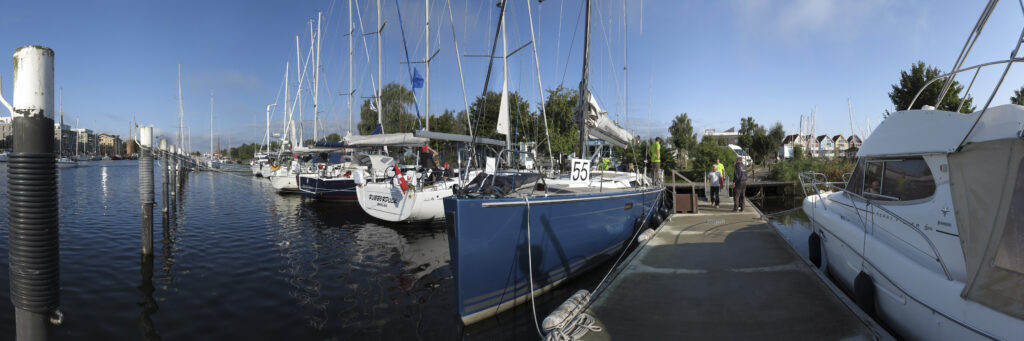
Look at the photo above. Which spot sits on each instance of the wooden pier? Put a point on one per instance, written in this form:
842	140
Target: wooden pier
721	275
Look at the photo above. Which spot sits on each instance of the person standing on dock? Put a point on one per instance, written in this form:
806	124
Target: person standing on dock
739	176
655	152
714	186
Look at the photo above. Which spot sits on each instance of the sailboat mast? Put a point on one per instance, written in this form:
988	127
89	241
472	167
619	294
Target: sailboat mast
426	61
351	31
504	93
849	104
298	92
211	122
287	111
380	70
181	112
584	93
316	79
60	129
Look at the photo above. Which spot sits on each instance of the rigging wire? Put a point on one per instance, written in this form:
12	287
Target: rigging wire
462	80
571	45
408	64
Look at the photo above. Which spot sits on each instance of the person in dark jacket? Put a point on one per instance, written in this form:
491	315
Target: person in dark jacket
739	176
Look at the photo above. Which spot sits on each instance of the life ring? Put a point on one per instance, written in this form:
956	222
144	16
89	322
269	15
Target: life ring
275	166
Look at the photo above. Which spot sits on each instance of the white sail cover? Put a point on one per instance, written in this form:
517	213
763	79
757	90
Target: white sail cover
392	139
603	128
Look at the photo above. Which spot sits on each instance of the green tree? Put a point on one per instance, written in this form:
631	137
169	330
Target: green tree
1017	98
333	137
682	135
395	100
563	129
748	128
707	151
912	82
485	117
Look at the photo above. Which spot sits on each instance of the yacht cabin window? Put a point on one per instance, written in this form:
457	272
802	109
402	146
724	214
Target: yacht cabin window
894	179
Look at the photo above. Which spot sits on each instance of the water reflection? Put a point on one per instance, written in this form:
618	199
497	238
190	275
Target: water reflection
795	228
147	329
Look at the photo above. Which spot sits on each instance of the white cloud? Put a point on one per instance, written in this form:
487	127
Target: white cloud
794	21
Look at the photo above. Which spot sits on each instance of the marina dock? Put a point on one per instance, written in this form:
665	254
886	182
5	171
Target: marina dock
724	275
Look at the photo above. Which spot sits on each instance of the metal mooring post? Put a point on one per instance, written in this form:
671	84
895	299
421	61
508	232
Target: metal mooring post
172	169
180	170
33	242
146	187
164	165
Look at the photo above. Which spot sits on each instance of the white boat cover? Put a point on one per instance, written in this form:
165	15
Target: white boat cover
935	131
987	184
377	163
603	128
392	139
433	135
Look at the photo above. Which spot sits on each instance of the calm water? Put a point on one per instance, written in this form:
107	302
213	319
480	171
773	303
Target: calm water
234	260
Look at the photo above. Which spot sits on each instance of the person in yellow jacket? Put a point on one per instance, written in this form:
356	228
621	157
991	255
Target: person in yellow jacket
720	168
655	152
604	164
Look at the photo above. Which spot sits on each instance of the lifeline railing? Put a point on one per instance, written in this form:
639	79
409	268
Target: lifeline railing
971	39
818	181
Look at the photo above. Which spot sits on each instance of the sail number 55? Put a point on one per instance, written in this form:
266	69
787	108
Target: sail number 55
580	171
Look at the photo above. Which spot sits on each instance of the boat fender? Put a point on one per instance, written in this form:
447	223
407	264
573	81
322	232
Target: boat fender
864	293
358	178
637	224
647	234
656	220
566	311
663	211
814	249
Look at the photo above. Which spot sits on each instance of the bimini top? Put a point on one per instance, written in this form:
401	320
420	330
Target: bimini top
937	131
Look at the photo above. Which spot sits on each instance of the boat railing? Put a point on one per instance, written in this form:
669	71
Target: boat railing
814	183
976	68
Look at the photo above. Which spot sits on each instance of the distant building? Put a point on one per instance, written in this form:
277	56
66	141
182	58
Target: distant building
6	133
63	139
811	145
854	141
825	146
110	144
840	144
731	136
85	142
789	144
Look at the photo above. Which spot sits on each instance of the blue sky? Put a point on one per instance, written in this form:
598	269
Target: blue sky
716	60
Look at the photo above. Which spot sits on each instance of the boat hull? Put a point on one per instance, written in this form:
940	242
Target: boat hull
568	235
385	201
331	189
915	300
287	183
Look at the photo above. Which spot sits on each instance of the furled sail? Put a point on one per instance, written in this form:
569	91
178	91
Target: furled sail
392	139
603	128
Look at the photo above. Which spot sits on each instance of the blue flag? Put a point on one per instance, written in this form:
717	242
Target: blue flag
417	80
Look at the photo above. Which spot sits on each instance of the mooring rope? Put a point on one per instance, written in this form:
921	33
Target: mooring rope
529	258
